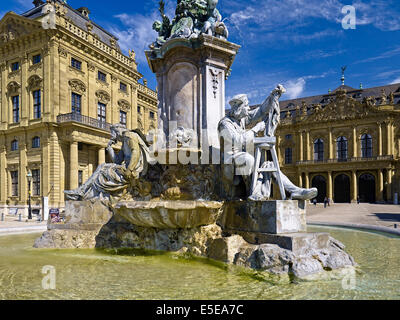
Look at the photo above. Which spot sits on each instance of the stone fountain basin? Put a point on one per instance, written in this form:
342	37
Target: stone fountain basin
170	214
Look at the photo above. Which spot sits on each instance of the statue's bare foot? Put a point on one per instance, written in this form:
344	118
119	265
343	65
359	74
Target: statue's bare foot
305	194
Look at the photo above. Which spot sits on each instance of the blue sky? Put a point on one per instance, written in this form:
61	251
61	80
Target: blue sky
300	43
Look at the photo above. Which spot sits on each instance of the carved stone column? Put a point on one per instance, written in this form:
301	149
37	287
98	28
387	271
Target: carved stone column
388	138
300	180
308	146
380	152
73	165
355	146
300	148
354	186
101	156
330	184
330	144
379	191
307	180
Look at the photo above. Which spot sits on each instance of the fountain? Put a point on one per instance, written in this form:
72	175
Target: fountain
198	188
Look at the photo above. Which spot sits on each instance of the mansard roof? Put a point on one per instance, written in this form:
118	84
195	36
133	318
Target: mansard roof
77	19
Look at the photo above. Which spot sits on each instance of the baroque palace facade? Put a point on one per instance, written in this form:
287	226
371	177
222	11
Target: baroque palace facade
61	89
345	143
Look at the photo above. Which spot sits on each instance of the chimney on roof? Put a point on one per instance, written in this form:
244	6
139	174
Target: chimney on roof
84	11
37	3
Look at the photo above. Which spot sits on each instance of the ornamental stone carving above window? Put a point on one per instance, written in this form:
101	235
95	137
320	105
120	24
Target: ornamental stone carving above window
103	96
77	86
13	87
124	105
34	82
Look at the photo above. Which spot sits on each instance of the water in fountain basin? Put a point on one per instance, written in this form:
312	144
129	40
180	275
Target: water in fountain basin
95	274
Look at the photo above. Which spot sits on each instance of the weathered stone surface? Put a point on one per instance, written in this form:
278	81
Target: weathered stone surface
274	217
83	221
298	243
225	249
299	255
67	239
122	234
170	214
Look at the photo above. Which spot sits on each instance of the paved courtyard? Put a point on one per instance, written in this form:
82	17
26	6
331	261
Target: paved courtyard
369	214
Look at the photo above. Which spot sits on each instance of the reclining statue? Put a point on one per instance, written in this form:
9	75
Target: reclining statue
238	129
114	179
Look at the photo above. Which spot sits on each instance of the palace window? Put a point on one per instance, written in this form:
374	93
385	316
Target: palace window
152	115
37	104
319	150
366	146
139	109
36	142
288	137
102	76
101	112
123	86
76	64
76	103
342	148
37	59
122	118
15	66
288	156
14	145
36	182
14	183
15	103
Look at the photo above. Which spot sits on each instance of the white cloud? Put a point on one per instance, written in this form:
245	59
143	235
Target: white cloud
395	81
137	35
295	88
283	19
387	54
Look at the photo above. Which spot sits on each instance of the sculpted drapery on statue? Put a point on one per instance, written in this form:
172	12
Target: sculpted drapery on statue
192	18
114	179
234	131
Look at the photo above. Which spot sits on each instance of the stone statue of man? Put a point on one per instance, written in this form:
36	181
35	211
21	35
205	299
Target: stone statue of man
239	128
113	179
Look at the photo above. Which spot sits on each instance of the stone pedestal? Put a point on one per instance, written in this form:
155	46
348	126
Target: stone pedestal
191	85
273	217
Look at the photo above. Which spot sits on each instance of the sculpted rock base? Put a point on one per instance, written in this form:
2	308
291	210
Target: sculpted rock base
298	255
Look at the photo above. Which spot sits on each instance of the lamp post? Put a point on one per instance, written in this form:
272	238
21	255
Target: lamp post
29	176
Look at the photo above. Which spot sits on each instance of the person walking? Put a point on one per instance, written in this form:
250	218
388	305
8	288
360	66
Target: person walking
315	202
325	202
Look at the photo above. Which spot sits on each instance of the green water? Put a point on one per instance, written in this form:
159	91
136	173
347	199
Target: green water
93	274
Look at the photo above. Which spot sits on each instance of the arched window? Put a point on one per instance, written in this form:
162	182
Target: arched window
342	148
366	146
14	145
36	142
319	150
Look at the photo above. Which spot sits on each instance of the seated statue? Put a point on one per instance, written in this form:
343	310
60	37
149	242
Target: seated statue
235	129
114	179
